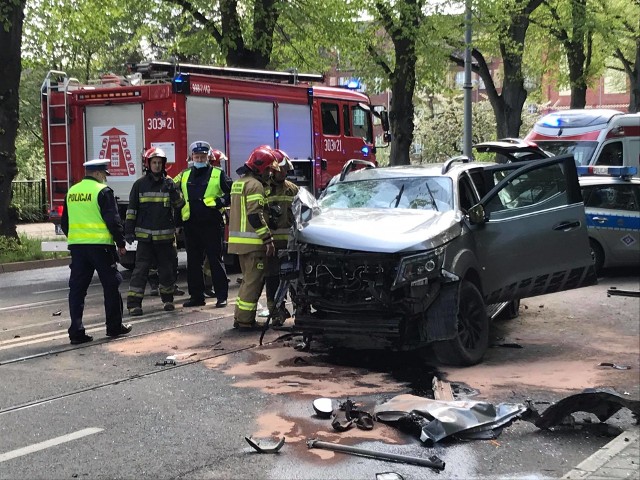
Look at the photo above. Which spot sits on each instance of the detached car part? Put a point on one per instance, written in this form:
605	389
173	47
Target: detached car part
432	462
262	447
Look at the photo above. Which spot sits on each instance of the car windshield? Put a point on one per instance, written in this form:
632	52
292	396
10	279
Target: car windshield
582	151
424	193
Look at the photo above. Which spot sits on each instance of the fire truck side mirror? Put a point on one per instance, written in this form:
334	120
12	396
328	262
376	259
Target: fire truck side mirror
384	119
181	84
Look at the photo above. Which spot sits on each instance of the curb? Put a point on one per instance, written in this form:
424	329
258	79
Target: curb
34	264
589	467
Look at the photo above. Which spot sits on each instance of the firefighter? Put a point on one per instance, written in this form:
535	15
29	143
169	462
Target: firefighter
249	234
150	221
279	197
91	222
217	159
206	193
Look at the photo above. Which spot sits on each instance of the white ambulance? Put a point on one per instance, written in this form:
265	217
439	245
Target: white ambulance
594	136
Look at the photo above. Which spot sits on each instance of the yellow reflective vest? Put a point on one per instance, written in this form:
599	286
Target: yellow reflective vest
248	198
211	194
86	225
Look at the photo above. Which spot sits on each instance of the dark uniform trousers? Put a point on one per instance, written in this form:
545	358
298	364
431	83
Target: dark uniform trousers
161	255
205	239
85	260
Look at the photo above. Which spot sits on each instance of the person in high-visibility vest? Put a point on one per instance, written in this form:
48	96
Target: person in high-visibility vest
91	222
219	160
249	234
150	221
205	190
279	198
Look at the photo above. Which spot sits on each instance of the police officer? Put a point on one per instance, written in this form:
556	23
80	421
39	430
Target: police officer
206	193
150	221
280	195
219	160
249	234
91	222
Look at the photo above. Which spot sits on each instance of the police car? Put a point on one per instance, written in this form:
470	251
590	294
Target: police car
612	206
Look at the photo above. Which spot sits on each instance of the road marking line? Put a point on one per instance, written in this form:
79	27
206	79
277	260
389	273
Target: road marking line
26	306
50	322
48	443
62	289
24	341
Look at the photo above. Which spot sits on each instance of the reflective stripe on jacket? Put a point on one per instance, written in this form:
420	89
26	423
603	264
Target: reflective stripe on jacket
281	195
86	225
211	194
247	198
150	213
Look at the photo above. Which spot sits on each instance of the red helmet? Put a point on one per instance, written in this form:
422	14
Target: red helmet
283	160
216	157
261	159
151	153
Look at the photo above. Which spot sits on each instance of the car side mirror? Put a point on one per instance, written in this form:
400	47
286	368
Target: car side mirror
477	214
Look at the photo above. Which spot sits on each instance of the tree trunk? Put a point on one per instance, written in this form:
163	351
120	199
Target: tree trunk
403	83
634	80
576	60
11	41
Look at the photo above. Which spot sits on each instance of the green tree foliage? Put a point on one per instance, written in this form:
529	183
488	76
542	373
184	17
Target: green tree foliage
500	31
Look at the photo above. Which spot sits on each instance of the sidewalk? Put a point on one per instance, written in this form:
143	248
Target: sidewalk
620	458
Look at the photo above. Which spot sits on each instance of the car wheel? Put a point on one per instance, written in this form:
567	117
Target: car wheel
597	254
471	342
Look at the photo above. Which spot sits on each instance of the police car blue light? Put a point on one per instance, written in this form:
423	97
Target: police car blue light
365	151
607	171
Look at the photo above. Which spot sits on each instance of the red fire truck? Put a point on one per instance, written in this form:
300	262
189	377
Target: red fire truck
171	105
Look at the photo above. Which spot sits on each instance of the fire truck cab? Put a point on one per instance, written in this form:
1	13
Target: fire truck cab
594	137
171	105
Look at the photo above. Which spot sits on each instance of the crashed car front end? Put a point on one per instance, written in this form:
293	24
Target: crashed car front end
359	286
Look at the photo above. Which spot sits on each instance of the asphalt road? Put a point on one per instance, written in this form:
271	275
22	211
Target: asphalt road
105	410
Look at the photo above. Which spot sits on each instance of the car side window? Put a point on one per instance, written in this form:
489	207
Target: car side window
614	197
531	191
611	155
467	198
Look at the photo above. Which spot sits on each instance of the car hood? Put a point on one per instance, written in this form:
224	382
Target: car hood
381	230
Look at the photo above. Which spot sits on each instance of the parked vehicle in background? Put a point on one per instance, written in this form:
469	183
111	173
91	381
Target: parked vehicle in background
594	137
612	206
169	106
402	257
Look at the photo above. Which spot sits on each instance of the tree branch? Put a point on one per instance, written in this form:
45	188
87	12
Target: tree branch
379	60
209	25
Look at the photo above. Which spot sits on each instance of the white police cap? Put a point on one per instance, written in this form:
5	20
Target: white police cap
199	146
97	165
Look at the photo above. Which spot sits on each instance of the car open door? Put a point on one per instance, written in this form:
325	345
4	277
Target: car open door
533	237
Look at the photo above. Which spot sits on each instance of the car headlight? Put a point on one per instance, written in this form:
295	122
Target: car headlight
418	267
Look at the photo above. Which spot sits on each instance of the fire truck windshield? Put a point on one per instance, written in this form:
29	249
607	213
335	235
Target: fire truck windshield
582	151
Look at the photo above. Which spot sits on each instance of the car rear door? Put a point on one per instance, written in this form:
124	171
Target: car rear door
534	238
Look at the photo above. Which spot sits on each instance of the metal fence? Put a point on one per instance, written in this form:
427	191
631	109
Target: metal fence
30	200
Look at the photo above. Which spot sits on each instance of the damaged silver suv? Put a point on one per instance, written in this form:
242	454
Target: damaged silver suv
402	257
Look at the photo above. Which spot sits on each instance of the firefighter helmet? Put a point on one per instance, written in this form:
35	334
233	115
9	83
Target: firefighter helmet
216	157
283	160
261	160
154	152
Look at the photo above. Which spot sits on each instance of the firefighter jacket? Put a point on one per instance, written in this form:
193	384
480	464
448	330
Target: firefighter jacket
150	213
90	215
279	198
248	220
206	194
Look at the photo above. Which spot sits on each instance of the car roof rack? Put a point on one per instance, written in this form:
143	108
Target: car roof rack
351	164
460	158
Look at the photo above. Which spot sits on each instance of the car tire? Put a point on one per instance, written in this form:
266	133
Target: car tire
597	253
472	340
